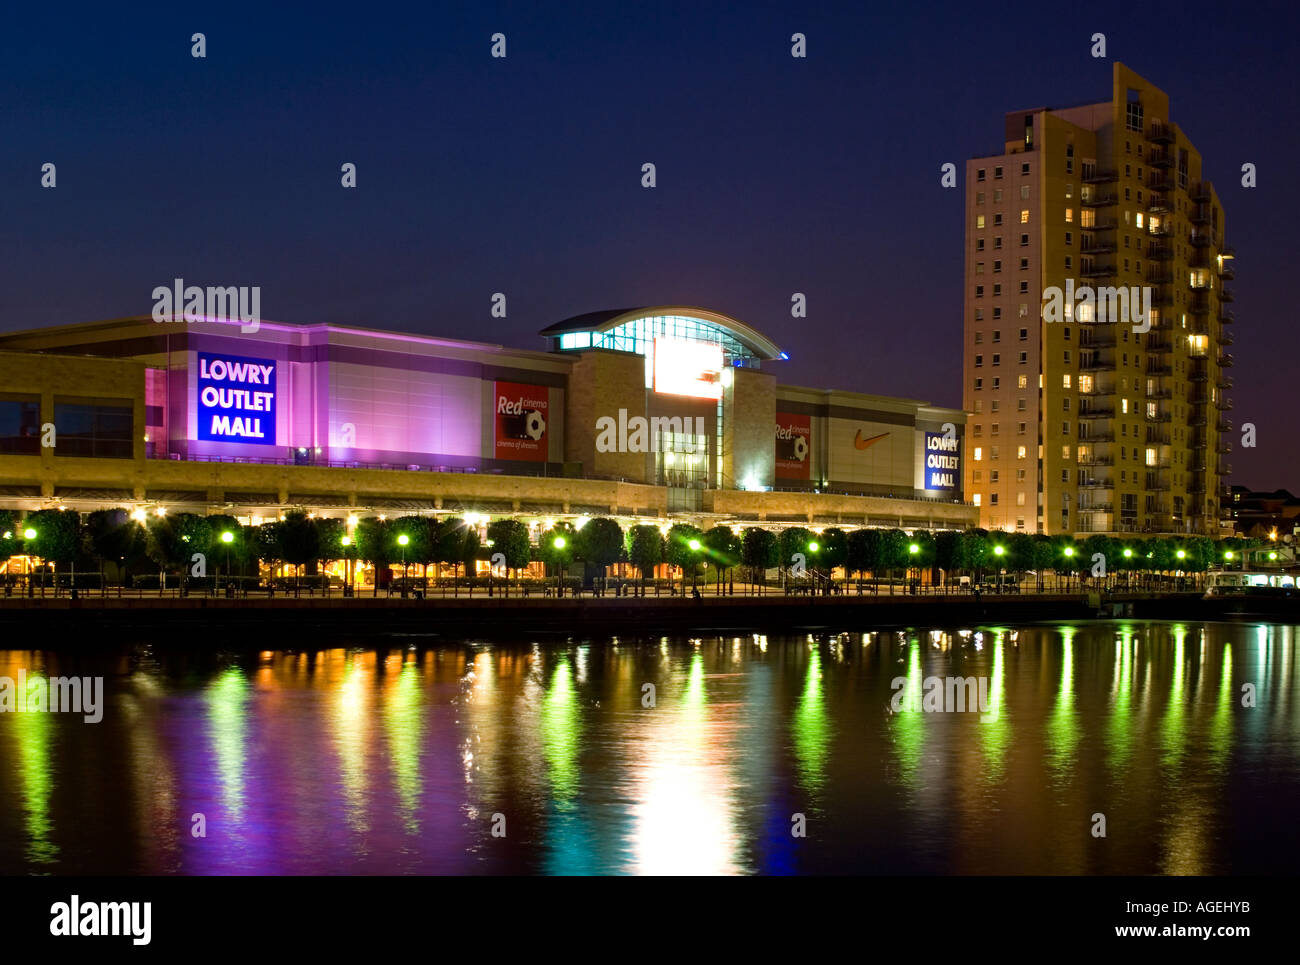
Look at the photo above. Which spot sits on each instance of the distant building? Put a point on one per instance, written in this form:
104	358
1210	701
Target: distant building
1092	223
646	415
1262	514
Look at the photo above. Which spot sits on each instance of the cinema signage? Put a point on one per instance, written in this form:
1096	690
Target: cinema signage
793	441
236	399
942	461
520	413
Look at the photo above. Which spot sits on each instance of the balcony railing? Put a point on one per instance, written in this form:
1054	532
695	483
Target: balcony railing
1096	176
1201	191
1099	199
1200	214
1160	133
1159	203
1161	159
1100	224
1226	317
1159	253
1098	269
1225	360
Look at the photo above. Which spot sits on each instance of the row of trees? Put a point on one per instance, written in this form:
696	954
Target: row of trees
170	543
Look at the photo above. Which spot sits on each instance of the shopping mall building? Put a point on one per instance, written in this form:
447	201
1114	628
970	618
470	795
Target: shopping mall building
654	414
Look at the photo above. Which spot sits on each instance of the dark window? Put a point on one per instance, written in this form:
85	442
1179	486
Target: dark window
94	429
20	426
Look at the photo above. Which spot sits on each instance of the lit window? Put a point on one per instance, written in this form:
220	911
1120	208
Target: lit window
1065	381
1020	452
1024	216
1151	457
979	221
979	454
1069	216
1022	382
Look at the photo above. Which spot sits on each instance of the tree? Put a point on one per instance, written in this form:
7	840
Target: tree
834	550
421	541
1043	556
864	553
946	551
722	551
1020	554
893	552
759	552
329	540
555	547
112	535
797	554
58	536
678	550
645	549
457	544
509	538
226	556
374	545
924	557
599	544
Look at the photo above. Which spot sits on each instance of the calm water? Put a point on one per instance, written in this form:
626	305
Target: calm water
394	756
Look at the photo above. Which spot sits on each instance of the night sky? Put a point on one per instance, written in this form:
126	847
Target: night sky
478	175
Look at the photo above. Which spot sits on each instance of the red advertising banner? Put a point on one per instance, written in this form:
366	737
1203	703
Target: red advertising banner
521	417
793	446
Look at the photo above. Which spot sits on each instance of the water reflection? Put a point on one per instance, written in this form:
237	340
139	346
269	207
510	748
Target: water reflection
550	757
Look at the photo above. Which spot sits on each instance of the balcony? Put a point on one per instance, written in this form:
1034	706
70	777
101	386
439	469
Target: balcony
1099	484
1224	426
1099	360
1223	382
1157	436
1201	191
1200	303
1097	461
1090	412
1225	337
1157	252
1159	344
1162	295
1096	338
1160	133
1224	468
1161	182
1160	203
1226	317
1099	199
1200	215
1104	436
1225	360
1201	239
1100	177
1090	247
1093	269
1100	224
1156	482
1223	447
1225	295
1198	374
1161	159
1158	417
1163	231
1158	367
1226	271
1223	403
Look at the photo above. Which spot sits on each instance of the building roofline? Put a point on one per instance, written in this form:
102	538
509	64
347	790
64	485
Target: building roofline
603	321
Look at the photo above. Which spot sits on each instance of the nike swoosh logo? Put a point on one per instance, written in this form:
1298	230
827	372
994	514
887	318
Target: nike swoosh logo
860	443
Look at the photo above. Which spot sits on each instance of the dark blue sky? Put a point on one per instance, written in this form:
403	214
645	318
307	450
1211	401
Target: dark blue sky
522	175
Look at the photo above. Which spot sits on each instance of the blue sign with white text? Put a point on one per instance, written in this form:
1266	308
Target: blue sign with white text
942	461
236	399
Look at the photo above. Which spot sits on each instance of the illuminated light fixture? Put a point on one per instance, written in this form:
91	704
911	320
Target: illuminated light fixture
382	518
559	543
491	543
813	547
694	544
227	537
162	511
1128	552
1180	554
914	549
9	534
581	521
998	550
352	521
473	519
403	540
1069	551
1272	556
1227	554
346	540
29	533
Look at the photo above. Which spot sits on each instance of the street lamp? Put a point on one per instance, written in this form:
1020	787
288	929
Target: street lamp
227	537
346	541
403	540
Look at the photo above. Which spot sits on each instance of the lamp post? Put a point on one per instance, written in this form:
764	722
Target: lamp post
999	551
30	534
227	537
695	548
913	550
1069	557
559	543
346	542
402	541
